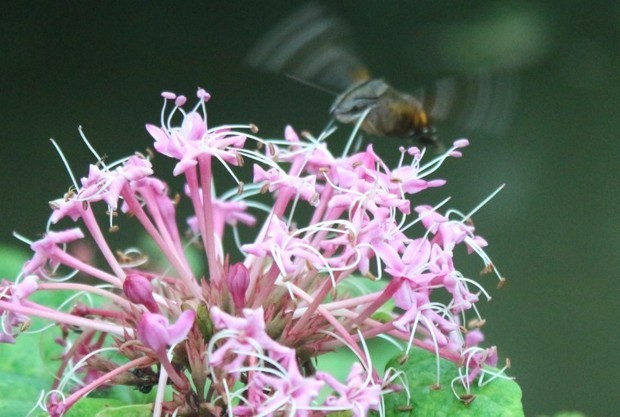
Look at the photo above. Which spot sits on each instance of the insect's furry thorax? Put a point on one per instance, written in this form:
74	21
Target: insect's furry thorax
386	111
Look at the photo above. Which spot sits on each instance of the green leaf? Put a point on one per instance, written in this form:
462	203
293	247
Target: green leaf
499	398
11	261
19	387
568	414
20	393
23	358
107	407
23	375
95	407
10	407
27	370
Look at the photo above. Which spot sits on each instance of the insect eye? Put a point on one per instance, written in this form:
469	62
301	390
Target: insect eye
359	106
356	108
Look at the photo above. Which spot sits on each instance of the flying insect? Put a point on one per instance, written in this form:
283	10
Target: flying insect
315	47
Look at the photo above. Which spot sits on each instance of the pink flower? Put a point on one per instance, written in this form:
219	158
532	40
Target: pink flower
243	337
14	294
288	391
359	394
279	180
194	140
260	285
47	250
155	331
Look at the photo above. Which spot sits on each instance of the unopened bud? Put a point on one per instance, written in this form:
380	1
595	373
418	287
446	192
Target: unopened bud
138	289
238	280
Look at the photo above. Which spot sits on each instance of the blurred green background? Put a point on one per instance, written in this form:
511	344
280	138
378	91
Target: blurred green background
554	231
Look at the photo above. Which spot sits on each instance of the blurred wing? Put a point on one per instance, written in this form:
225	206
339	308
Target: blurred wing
313	46
485	101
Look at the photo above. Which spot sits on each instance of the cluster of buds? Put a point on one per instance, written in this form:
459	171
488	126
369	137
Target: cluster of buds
282	279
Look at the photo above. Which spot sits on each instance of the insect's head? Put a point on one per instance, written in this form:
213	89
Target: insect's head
356	100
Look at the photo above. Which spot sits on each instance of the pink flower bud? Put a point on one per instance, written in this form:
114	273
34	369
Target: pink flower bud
238	280
138	290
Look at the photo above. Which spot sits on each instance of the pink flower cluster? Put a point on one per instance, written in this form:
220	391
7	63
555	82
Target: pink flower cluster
239	334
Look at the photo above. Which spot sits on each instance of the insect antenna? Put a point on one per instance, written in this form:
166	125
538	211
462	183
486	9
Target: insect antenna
311	84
